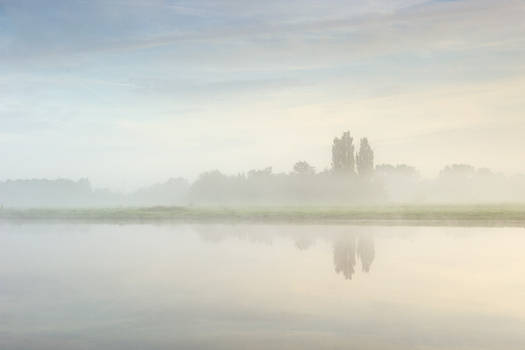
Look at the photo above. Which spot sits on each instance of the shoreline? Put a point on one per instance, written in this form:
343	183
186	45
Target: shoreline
399	215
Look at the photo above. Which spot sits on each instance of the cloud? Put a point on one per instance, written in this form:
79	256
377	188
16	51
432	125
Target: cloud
201	48
179	87
269	29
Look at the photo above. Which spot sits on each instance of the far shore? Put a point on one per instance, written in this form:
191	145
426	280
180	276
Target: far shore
424	215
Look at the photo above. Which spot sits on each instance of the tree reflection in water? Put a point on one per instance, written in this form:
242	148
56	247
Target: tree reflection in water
347	247
346	255
366	251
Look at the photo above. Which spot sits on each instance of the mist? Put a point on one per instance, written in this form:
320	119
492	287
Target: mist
245	174
132	93
353	179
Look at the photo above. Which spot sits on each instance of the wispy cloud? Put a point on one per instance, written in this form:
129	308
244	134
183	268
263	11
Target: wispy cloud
156	79
136	25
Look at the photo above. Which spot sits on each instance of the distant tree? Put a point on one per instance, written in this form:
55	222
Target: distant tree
210	186
365	158
171	192
343	160
458	171
485	172
398	170
260	173
303	168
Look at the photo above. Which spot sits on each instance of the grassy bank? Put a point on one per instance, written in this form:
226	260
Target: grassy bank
406	214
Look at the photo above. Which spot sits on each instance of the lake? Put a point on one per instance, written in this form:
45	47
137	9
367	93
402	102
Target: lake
255	286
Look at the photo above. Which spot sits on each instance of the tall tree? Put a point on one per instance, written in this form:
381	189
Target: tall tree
365	158
343	160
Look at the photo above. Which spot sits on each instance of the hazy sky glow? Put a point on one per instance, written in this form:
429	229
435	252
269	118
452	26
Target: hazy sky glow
132	92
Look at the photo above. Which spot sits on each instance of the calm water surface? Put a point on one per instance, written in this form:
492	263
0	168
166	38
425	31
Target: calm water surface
65	286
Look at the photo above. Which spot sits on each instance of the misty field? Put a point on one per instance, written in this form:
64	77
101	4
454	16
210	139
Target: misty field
505	214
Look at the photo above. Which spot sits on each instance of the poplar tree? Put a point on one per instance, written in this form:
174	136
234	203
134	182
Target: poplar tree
365	158
343	160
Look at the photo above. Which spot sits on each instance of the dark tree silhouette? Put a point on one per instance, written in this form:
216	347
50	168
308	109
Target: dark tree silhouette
365	158
343	160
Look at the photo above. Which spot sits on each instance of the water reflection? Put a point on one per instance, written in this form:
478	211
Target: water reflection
348	247
344	257
256	287
303	243
346	254
366	251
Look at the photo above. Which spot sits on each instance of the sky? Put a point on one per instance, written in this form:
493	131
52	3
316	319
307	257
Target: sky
133	92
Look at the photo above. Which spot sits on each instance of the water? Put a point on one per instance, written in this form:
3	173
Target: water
65	286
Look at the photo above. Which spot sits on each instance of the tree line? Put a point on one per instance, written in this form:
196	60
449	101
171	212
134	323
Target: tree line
353	178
